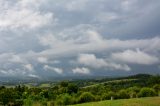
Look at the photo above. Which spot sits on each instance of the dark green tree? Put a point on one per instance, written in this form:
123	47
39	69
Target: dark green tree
147	92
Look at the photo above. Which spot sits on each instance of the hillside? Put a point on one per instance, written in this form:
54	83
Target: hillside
83	91
151	101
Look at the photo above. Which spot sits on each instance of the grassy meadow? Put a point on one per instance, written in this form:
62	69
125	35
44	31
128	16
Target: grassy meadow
150	101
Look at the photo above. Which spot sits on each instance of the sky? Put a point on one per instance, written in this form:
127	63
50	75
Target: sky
59	38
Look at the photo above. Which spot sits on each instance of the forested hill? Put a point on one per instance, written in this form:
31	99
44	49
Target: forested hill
141	79
80	91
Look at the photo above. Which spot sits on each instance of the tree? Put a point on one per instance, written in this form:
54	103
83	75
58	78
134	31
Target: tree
7	95
156	88
86	97
123	94
44	93
109	95
147	92
154	80
64	84
133	91
72	88
64	99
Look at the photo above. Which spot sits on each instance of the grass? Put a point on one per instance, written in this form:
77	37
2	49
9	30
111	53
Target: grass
44	85
151	101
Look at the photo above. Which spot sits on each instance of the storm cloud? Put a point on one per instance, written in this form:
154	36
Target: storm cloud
40	38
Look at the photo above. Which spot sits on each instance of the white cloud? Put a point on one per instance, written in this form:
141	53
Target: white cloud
106	17
94	36
33	76
56	62
42	60
77	5
135	57
55	69
82	70
58	46
29	67
30	25
92	61
30	3
19	15
16	59
8	72
48	40
3	72
91	41
13	72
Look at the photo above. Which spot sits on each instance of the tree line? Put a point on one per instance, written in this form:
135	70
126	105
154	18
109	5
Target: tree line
68	93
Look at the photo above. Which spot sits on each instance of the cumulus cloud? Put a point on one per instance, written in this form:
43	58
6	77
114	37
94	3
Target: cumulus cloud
33	76
55	69
94	62
135	57
82	70
91	60
77	5
39	32
17	72
16	59
29	67
21	15
91	41
42	60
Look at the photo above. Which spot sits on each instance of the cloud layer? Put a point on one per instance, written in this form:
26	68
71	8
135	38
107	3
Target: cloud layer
41	38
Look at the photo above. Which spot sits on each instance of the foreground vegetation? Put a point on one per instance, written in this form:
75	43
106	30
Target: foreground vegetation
150	101
76	92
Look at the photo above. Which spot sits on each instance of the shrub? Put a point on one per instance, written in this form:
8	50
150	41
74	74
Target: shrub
72	88
123	94
156	88
98	98
19	102
147	92
86	97
64	84
51	103
109	95
28	102
64	99
133	91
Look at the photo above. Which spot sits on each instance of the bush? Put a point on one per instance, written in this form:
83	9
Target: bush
28	102
72	88
19	102
51	103
64	99
64	83
98	97
147	92
109	95
123	94
7	96
133	91
156	88
86	97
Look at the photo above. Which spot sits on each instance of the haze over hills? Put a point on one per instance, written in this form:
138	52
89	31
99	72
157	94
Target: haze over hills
12	81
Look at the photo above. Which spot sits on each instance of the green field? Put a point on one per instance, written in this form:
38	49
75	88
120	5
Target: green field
152	101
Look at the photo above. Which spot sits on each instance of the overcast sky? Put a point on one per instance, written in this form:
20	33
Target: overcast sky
42	38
